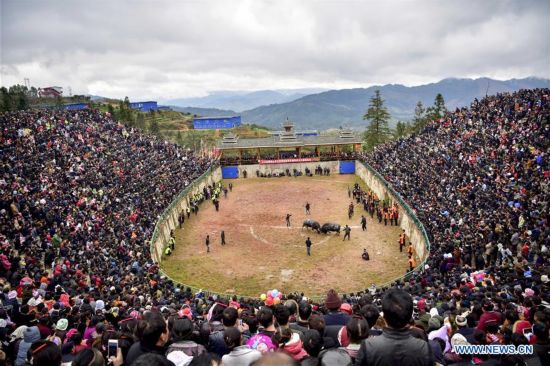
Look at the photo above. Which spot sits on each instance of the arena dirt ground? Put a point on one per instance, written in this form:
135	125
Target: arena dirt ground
262	253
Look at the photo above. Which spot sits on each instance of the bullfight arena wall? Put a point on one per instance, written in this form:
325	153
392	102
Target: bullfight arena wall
407	219
169	218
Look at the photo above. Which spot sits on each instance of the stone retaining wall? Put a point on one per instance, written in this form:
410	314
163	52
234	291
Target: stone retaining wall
406	219
170	221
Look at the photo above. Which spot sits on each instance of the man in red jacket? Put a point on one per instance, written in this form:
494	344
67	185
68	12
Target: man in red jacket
488	315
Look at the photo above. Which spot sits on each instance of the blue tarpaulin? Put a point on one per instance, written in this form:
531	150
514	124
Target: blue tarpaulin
347	167
230	172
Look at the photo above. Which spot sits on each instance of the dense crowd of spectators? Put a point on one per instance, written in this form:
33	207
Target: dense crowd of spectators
248	159
81	195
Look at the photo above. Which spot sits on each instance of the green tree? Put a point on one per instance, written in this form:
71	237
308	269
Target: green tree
419	120
121	113
33	92
111	111
401	130
19	98
438	110
377	131
5	100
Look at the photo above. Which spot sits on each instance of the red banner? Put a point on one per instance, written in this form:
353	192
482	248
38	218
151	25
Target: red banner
285	161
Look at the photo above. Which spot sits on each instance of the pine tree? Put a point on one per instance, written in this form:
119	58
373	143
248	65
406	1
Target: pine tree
401	130
121	114
377	131
438	109
419	120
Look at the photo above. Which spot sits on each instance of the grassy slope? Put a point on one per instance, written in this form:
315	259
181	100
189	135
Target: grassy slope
172	122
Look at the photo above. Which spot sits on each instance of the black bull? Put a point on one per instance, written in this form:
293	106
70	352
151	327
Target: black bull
328	227
314	225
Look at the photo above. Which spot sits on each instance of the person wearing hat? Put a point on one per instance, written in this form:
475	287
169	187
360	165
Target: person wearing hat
60	332
12	300
334	315
99	306
423	321
463	329
31	335
452	357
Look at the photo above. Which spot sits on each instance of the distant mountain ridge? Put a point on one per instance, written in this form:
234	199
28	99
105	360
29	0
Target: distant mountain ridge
346	107
336	108
240	100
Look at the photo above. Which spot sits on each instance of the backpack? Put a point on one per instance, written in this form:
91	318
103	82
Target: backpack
261	342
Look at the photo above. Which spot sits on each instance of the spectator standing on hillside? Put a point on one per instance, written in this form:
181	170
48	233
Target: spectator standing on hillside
308	246
308	206
222	235
207	243
288	220
396	345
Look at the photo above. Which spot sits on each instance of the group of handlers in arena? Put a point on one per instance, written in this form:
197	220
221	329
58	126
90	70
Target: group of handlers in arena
384	212
371	203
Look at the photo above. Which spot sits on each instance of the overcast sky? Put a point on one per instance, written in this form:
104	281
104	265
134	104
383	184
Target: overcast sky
166	49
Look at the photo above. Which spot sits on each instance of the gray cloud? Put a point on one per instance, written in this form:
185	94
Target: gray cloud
152	49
